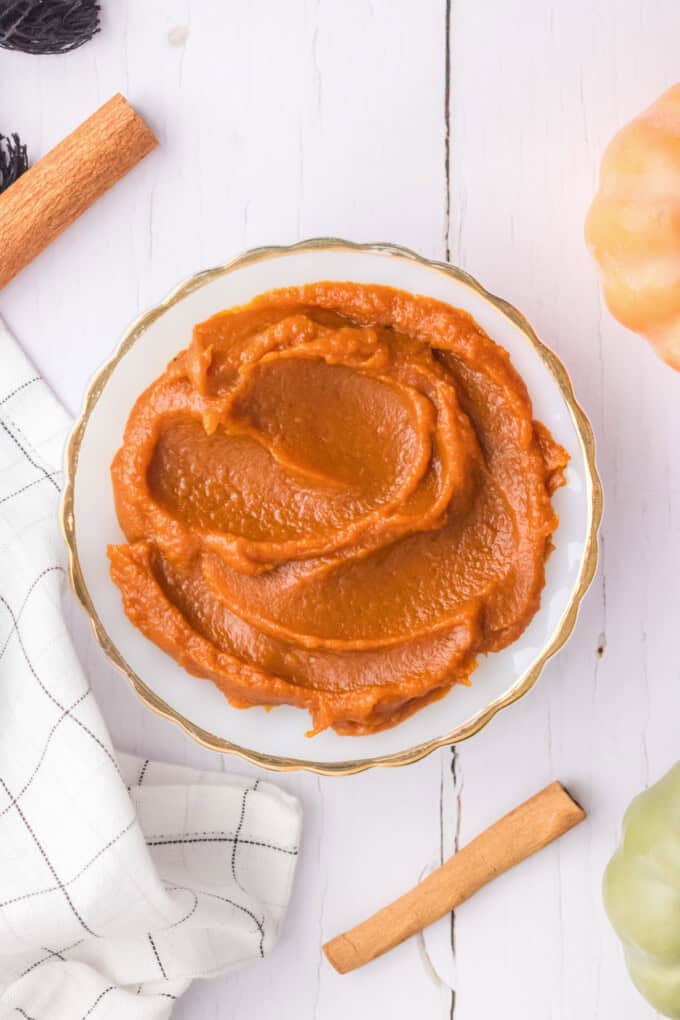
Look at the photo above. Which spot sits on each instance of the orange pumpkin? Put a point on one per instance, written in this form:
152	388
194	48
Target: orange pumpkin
633	226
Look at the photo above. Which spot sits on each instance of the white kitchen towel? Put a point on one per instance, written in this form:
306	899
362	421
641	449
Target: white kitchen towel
120	880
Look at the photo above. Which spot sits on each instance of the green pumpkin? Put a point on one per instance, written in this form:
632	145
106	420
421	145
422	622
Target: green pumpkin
642	893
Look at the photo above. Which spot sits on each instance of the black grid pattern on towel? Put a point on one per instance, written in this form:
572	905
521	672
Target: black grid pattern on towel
66	714
10	434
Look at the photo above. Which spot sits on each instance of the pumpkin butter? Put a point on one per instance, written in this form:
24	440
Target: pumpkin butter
335	498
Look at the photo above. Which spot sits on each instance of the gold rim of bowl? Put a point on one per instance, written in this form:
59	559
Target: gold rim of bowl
523	684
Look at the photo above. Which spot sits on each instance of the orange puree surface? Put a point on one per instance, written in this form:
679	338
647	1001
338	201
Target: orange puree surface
336	498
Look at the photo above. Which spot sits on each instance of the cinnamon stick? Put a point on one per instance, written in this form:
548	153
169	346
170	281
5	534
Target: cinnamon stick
516	836
53	193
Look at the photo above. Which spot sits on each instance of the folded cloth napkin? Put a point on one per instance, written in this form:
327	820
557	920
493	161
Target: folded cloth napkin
121	880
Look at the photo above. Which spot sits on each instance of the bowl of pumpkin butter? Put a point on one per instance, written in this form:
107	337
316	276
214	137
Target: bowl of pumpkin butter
331	506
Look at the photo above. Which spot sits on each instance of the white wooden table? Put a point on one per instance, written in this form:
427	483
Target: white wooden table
472	130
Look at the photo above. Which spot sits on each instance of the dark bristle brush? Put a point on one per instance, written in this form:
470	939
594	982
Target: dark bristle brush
47	26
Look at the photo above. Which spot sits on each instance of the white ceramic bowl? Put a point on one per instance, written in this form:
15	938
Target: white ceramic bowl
277	739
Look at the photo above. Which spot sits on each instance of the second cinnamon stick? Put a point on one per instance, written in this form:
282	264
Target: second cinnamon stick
64	183
516	836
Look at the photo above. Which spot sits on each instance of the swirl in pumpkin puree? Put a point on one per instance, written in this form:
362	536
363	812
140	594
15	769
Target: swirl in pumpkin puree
336	498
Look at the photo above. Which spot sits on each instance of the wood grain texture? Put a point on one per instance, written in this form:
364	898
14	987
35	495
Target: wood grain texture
281	121
524	831
57	189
